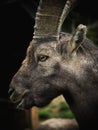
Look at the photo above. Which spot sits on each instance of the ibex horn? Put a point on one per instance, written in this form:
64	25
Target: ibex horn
50	17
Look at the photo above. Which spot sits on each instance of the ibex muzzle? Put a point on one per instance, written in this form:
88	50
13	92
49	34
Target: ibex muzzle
58	63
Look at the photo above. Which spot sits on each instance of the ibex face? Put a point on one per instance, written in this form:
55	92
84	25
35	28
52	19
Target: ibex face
49	69
42	74
39	79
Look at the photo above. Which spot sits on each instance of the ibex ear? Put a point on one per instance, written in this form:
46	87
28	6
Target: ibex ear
77	39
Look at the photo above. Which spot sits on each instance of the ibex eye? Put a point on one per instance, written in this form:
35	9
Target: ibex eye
42	58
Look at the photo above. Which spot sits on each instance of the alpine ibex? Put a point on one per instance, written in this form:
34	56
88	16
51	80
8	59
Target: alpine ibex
59	63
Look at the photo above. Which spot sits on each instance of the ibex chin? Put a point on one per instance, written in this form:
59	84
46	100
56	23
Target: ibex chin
59	63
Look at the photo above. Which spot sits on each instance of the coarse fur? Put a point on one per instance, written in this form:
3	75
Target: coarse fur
75	76
59	63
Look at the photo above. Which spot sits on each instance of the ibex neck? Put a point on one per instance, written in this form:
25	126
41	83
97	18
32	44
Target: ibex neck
82	98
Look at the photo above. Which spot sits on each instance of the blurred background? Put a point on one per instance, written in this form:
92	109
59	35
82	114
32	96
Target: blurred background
16	31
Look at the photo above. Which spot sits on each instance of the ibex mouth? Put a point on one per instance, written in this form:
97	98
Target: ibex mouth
17	98
20	104
25	102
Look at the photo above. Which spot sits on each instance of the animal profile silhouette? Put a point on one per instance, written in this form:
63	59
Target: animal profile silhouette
58	63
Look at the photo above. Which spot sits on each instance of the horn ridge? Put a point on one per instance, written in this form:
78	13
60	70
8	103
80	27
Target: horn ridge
65	12
50	16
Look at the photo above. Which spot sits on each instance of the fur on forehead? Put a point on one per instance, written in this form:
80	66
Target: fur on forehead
50	42
44	43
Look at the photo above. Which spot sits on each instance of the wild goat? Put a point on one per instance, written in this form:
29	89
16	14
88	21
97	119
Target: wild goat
59	63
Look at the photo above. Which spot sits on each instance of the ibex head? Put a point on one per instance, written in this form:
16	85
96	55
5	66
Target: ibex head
56	63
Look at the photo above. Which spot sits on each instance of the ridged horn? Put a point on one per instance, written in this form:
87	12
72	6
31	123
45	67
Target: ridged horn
50	17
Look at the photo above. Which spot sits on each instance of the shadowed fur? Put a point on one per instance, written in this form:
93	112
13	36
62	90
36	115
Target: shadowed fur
76	77
67	66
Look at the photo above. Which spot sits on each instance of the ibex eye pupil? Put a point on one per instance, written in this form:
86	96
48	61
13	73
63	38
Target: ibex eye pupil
43	58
